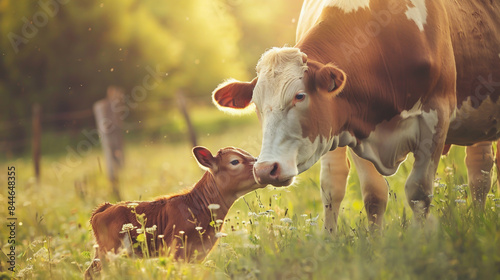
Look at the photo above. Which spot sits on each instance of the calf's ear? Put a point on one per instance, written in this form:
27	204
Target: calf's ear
234	96
204	158
330	79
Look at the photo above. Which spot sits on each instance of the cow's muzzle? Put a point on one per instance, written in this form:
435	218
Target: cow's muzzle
267	172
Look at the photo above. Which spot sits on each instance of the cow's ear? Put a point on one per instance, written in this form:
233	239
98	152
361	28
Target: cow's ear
205	158
234	96
330	79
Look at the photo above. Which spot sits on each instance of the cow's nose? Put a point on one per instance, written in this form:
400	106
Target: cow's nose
268	172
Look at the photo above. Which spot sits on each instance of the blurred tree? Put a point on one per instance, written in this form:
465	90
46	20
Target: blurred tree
63	54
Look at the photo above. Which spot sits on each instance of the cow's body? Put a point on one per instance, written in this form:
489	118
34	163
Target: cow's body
479	157
420	74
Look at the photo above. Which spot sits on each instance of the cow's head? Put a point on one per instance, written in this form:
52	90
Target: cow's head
295	103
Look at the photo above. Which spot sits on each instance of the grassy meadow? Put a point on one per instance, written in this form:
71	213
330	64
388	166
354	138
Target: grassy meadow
53	238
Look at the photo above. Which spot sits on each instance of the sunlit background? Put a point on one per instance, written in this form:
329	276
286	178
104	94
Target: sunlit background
63	55
164	58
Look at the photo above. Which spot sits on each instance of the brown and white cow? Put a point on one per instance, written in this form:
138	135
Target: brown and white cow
383	77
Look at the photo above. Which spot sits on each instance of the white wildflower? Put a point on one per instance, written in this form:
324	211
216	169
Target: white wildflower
252	214
286	220
43	253
127	228
181	232
312	221
219	221
490	195
151	230
161	236
213	206
198	228
220	234
132	205
460	201
139	231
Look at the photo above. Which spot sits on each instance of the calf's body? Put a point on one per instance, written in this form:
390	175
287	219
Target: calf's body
184	222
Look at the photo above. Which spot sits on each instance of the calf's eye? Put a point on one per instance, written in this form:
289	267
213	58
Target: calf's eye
235	162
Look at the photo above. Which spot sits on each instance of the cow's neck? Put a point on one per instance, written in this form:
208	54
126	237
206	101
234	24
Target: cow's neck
360	103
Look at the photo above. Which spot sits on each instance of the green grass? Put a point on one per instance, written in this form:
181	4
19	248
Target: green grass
54	241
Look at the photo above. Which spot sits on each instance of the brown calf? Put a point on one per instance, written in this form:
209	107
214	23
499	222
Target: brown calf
182	222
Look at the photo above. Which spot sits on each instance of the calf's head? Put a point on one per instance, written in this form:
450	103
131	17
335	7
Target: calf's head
295	103
232	169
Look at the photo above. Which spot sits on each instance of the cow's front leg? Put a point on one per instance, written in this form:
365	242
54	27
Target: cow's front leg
433	127
479	161
334	173
374	189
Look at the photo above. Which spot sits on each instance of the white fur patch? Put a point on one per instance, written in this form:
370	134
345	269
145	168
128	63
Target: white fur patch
415	110
309	15
348	5
391	141
418	13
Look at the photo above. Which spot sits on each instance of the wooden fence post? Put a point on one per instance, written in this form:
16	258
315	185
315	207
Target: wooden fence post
181	101
37	138
109	126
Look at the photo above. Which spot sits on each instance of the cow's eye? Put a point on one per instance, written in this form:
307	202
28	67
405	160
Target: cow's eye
235	162
300	96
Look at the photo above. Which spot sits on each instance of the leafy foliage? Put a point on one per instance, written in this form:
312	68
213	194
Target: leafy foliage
65	54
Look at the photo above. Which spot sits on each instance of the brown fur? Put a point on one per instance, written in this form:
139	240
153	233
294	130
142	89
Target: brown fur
451	62
222	184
